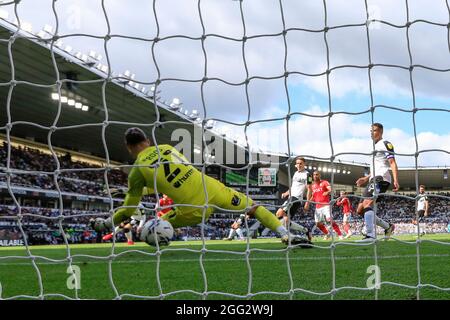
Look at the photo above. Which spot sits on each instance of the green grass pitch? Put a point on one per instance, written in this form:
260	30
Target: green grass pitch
135	273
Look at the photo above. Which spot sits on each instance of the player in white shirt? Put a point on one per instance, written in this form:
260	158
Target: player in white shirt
421	208
379	179
301	181
126	226
236	228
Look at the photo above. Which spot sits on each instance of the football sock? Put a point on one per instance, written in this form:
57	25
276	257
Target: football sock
322	228
368	219
336	228
381	223
129	236
346	228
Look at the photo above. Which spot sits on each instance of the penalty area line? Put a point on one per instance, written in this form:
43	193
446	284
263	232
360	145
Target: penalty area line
243	259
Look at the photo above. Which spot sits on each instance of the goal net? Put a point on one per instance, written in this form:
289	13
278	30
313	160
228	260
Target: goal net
241	88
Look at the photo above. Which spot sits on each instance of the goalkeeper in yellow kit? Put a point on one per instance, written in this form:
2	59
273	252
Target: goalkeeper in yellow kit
169	171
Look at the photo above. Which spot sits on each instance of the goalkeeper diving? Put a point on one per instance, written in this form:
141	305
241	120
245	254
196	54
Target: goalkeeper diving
169	171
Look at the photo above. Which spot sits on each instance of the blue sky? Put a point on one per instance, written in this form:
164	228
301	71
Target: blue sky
434	121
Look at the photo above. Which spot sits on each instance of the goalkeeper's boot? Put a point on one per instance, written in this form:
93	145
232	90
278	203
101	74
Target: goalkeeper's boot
388	232
108	236
130	242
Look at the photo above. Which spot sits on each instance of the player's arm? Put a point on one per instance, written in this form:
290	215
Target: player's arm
392	163
394	169
426	207
136	183
328	190
309	181
308	196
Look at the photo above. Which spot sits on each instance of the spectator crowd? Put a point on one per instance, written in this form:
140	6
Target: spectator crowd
47	226
39	167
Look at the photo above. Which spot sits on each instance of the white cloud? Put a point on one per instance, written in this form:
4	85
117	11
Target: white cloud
310	136
183	58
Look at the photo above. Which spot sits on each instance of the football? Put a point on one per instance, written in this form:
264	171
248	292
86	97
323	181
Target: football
157	231
99	224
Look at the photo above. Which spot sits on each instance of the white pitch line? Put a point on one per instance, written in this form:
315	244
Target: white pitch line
231	259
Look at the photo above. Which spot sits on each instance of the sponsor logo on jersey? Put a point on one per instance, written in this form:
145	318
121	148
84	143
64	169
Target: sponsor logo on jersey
180	181
235	201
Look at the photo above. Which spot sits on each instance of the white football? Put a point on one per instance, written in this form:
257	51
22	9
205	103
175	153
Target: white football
157	231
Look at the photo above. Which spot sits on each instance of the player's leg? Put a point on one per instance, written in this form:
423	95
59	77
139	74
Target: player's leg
383	186
330	220
240	234
230	199
318	218
326	213
281	213
370	219
291	213
129	236
231	234
419	219
346	226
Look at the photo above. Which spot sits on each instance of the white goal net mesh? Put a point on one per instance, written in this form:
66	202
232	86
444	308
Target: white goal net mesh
52	39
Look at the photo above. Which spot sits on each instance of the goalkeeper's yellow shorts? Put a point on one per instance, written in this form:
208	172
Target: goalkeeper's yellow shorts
223	198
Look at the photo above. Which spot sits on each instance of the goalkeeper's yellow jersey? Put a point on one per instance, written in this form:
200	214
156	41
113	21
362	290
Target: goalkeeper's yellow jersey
173	176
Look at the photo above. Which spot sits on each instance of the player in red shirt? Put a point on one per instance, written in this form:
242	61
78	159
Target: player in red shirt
321	190
164	202
344	202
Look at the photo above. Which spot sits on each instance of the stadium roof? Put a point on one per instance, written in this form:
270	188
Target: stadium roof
33	111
